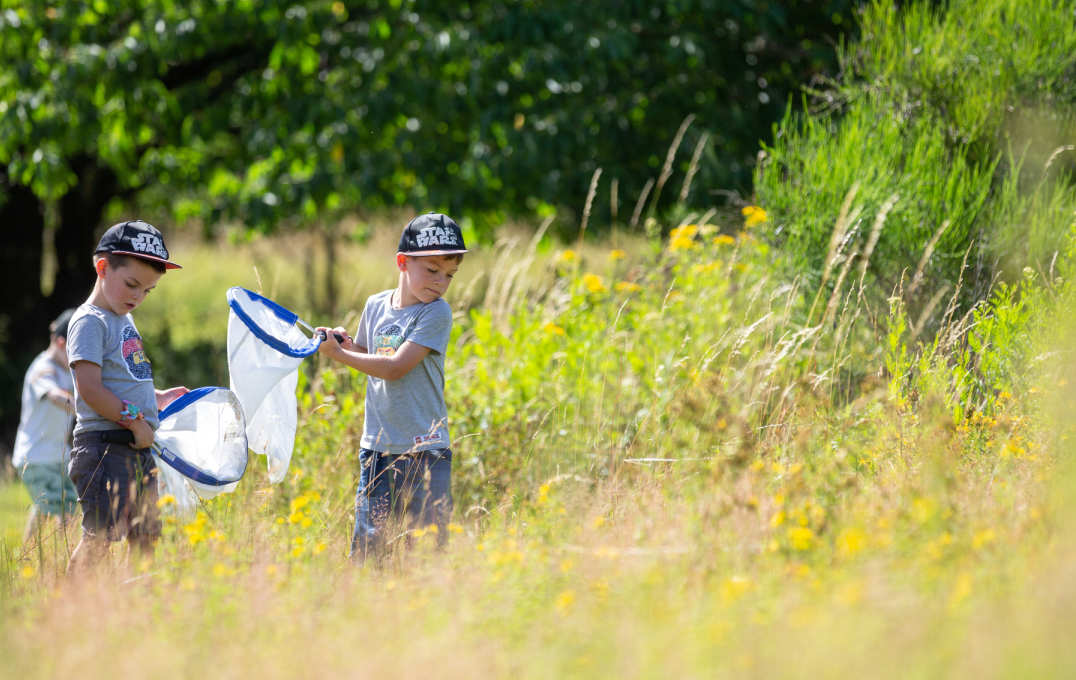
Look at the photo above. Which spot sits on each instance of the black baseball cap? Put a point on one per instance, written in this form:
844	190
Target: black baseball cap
432	234
59	326
137	239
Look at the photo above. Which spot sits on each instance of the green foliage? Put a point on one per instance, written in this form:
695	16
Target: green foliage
937	120
276	110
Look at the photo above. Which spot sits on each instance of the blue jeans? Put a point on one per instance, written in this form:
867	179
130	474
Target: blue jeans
391	488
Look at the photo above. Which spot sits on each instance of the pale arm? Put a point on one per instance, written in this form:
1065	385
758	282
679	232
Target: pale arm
384	366
62	398
88	380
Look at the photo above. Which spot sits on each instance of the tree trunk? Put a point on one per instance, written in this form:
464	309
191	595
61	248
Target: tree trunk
80	211
24	317
26	311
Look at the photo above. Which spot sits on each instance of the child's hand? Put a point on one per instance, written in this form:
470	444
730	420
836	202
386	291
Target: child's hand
143	433
166	397
333	340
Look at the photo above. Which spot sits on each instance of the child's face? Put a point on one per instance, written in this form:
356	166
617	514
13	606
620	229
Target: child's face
427	277
126	286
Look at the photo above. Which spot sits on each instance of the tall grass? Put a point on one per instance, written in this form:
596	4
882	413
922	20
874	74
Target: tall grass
654	473
829	439
959	115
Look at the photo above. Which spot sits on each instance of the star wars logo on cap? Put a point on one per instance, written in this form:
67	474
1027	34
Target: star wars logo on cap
436	236
149	244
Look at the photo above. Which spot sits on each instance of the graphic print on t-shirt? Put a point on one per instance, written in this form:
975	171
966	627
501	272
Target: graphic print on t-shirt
388	339
134	355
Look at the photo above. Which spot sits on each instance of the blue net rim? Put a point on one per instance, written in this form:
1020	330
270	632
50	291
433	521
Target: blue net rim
181	466
283	313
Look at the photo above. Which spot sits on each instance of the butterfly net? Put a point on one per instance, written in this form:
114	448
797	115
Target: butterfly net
200	446
265	348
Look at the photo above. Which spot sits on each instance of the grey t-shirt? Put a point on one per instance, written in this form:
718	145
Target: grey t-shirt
408	414
43	426
112	342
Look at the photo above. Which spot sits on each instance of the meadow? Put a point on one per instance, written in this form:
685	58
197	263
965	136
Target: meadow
825	434
669	460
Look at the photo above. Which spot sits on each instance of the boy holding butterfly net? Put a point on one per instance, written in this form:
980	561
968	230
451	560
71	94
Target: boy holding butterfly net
115	400
405	454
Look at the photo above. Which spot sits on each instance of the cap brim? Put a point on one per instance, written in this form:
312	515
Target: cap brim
422	253
149	258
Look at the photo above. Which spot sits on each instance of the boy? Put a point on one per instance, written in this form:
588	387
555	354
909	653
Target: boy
405	454
115	401
42	442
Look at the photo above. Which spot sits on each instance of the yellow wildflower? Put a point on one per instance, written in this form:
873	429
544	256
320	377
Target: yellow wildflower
983	538
681	243
565	601
166	500
27	571
617	254
594	283
753	215
686	231
707	268
800	538
723	240
627	286
734	587
553	329
566	256
961	590
778	519
851	541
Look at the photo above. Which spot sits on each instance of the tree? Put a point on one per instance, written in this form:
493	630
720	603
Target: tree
271	112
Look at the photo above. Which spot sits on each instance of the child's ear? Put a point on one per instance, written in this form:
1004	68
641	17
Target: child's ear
401	262
101	266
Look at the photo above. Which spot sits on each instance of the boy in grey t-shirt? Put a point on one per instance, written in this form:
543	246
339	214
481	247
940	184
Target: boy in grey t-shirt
115	400
405	454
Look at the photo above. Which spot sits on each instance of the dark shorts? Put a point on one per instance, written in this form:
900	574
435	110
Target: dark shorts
117	487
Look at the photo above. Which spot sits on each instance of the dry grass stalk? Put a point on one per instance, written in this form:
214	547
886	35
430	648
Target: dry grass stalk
872	240
589	203
839	238
831	305
614	200
1057	152
839	229
917	328
670	155
694	166
701	221
917	278
634	222
951	307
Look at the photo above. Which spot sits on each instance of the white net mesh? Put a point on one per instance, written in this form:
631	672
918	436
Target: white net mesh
200	446
265	348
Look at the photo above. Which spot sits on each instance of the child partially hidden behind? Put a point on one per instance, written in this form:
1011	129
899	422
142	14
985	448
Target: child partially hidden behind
115	400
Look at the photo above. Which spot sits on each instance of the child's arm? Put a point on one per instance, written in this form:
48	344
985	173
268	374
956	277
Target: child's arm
386	367
88	380
44	384
62	398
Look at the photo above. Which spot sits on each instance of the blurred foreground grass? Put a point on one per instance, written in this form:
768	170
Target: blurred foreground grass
664	466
